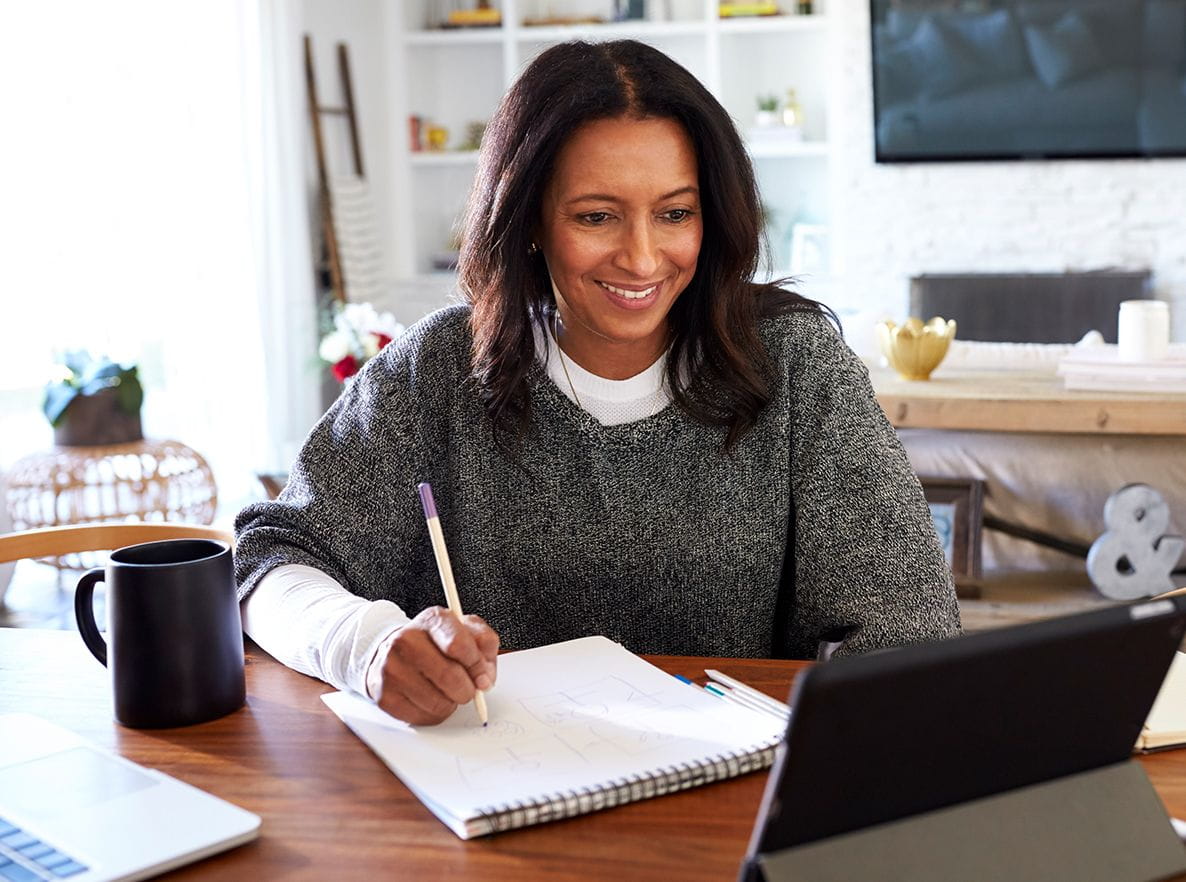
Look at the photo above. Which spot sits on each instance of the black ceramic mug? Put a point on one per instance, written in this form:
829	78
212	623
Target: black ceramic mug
176	639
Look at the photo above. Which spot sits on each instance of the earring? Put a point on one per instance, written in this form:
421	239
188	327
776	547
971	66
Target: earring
532	248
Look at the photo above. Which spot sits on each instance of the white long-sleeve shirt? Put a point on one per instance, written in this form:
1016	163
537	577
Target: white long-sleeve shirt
307	620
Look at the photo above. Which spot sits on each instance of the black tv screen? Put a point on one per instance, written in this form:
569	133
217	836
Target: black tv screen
1023	79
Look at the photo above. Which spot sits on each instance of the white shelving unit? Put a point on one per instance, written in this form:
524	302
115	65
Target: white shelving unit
455	77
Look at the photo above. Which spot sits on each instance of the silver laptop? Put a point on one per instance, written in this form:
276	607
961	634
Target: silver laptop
71	810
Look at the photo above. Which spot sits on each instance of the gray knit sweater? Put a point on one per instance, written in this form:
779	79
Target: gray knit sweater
645	532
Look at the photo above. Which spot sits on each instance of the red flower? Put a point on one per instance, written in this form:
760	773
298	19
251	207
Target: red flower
383	339
347	367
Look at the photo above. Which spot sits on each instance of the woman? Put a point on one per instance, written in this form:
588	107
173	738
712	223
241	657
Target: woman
625	435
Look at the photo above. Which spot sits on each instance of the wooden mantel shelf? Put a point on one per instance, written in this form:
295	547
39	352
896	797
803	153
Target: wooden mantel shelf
1013	401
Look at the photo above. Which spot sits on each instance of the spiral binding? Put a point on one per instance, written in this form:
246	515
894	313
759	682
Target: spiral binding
632	788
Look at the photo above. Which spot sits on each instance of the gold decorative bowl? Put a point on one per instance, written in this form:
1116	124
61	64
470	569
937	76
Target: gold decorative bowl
914	349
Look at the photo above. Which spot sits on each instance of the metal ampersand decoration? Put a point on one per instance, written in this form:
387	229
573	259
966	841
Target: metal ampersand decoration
1134	557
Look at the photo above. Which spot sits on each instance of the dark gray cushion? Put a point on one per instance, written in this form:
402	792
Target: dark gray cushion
900	23
897	79
1063	51
941	63
1118	27
995	41
1165	34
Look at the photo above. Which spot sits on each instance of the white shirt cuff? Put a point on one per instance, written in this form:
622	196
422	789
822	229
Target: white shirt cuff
307	620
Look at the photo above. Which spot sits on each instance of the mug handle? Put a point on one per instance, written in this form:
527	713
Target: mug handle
84	614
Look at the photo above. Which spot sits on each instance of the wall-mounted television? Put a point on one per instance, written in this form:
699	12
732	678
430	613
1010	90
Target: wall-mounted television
1028	79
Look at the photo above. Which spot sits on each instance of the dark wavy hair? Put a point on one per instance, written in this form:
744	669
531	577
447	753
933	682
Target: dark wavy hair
713	324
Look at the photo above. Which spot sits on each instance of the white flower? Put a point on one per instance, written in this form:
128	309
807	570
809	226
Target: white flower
356	318
357	327
387	325
334	347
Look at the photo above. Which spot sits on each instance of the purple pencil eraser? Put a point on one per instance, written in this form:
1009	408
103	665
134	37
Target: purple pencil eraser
426	500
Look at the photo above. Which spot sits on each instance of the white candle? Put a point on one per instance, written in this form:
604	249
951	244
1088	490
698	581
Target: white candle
1143	332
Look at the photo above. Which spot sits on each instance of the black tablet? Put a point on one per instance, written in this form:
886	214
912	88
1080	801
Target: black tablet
896	733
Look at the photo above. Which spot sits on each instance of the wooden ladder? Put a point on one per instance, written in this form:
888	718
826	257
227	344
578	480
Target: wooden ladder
316	111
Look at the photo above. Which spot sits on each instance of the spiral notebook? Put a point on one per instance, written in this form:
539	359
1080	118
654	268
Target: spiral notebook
575	727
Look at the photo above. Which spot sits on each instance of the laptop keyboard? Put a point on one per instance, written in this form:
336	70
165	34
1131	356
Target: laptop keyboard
24	858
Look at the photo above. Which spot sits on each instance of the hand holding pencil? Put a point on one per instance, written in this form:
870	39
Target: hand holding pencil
445	568
439	660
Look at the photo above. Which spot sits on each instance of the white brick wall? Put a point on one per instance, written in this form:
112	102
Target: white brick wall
894	221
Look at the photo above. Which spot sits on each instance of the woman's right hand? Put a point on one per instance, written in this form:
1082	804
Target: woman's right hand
434	663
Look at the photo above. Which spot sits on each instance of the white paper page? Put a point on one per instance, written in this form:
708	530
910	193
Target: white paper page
1169	710
564	716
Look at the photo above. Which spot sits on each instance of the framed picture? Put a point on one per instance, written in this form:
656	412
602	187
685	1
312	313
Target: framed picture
957	508
809	249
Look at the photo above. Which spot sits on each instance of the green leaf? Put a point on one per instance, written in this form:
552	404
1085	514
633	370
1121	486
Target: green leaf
57	398
129	394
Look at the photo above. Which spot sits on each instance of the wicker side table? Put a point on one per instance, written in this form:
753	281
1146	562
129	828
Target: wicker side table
141	481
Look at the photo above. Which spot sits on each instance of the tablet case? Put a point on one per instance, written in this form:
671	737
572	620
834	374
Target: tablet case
1001	755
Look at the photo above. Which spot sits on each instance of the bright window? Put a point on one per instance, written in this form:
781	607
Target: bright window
135	222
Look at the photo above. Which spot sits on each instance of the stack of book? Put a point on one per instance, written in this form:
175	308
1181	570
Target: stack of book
1098	368
739	10
1166	725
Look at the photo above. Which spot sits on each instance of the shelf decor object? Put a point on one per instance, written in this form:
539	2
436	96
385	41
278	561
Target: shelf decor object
792	113
139	481
957	510
732	10
767	115
484	16
563	21
914	349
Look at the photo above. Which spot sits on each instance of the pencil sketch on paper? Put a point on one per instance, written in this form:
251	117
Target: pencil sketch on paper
499	730
606	739
502	766
589	725
610	696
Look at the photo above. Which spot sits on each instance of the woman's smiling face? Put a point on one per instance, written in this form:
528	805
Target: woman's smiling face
620	228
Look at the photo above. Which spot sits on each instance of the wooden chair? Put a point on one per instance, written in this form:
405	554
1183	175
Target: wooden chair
272	482
57	541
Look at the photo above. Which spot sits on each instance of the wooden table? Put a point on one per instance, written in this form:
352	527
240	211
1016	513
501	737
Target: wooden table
331	810
1015	401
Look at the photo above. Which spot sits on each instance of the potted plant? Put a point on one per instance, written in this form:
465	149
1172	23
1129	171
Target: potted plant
94	401
767	114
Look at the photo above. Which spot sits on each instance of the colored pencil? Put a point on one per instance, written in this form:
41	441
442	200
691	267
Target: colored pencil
441	553
762	697
737	698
